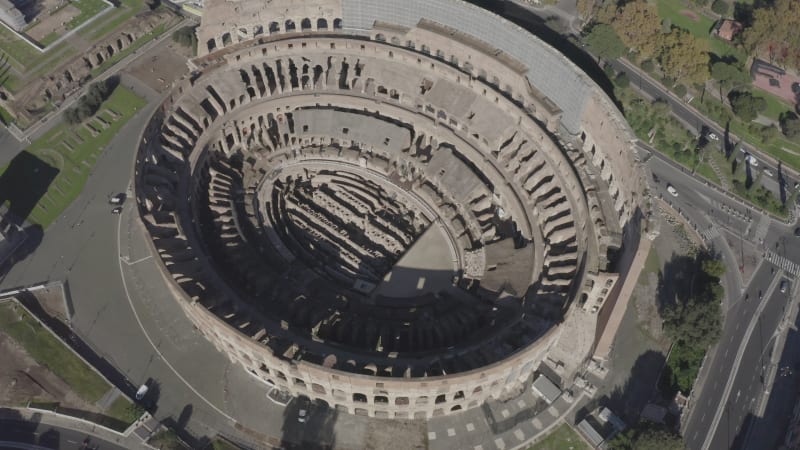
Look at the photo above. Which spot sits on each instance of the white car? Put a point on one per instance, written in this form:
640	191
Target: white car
713	136
767	173
753	162
672	191
302	415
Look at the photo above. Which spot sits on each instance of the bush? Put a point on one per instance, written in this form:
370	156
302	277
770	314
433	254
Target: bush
790	124
680	90
622	80
745	105
720	7
186	37
648	66
88	104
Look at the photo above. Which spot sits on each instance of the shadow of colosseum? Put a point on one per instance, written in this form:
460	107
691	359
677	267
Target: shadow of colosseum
316	433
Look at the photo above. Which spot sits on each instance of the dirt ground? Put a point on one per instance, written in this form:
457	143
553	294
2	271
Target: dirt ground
23	379
161	66
405	434
52	301
52	23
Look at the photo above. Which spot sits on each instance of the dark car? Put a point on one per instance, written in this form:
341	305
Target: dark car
797	231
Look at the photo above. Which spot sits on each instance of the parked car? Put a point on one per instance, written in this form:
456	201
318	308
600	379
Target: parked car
752	160
117	210
767	173
672	190
797	232
784	286
142	391
713	136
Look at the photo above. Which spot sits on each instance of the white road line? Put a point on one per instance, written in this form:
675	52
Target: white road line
130	263
139	321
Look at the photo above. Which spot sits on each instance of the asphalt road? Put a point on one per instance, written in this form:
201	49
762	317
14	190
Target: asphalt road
698	122
13	433
751	378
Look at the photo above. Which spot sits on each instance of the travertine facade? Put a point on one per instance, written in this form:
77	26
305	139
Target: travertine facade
392	220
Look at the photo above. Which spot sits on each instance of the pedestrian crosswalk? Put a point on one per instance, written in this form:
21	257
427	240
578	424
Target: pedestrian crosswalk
780	261
711	233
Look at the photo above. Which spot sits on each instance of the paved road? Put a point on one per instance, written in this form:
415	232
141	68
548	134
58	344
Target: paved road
696	121
14	433
751	378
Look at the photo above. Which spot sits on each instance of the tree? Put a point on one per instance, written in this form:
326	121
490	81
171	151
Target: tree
713	267
639	27
646	436
684	57
775	33
728	75
720	7
790	124
745	105
604	42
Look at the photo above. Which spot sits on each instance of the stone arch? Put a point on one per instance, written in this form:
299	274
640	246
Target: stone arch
337	24
226	39
322	23
258	29
274	27
395	40
380	37
305	24
289	25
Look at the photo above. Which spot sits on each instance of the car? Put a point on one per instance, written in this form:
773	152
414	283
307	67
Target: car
672	190
784	286
117	199
117	210
712	136
797	232
142	391
767	172
302	415
752	160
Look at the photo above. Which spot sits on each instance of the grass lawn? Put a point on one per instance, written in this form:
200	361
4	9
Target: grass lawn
112	20
20	52
5	116
48	351
701	28
775	105
712	108
60	162
88	8
562	438
124	410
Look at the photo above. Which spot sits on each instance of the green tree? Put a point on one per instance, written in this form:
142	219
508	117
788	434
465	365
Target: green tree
728	75
639	27
646	436
790	124
720	7
586	9
746	105
713	267
604	42
684	57
775	34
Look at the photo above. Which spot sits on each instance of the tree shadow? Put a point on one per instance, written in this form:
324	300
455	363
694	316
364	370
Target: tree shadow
24	183
727	144
32	237
24	429
674	281
316	432
50	438
629	399
782	184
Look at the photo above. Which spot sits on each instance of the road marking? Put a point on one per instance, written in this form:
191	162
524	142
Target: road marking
147	336
130	263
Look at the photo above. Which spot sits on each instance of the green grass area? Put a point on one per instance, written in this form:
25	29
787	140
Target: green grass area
61	161
49	39
6	116
652	264
88	9
48	351
562	438
20	52
142	40
124	410
719	113
112	20
707	172
701	28
775	105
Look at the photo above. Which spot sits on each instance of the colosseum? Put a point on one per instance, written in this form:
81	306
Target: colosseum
400	208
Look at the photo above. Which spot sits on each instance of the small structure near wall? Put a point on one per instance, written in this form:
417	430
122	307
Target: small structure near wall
727	29
546	389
